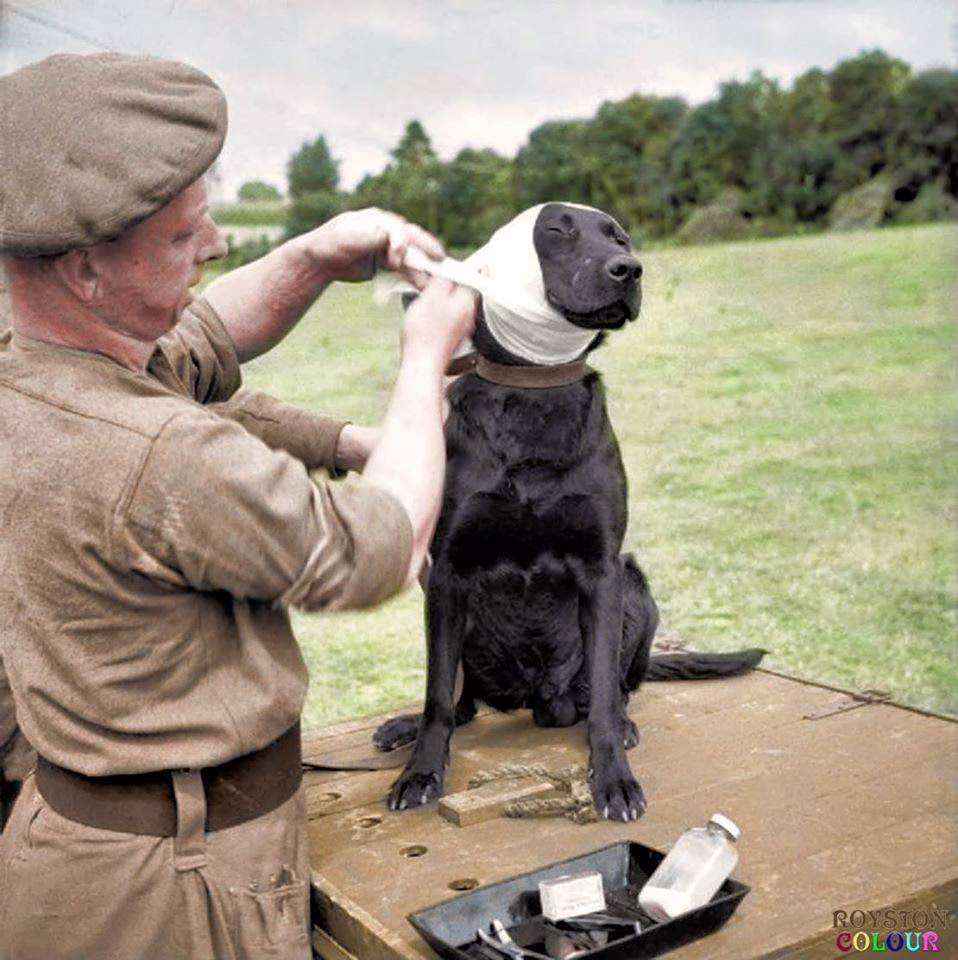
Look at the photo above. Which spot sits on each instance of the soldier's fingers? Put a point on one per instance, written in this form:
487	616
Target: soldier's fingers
397	241
416	277
438	288
425	241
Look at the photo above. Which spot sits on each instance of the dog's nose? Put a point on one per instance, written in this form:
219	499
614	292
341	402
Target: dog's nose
623	268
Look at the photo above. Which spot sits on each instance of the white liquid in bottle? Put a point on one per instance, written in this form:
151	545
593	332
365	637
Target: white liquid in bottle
692	871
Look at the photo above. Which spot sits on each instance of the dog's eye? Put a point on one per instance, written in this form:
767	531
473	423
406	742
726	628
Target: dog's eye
559	231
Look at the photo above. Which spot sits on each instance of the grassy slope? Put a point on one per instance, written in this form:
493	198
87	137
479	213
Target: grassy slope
786	415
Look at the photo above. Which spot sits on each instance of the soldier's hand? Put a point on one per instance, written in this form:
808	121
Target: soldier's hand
441	317
354	245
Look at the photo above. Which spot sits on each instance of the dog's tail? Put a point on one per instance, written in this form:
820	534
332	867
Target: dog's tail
702	666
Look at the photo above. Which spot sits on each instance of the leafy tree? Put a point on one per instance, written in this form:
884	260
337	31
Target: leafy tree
414	147
788	155
926	145
807	106
865	98
800	181
725	142
628	143
258	191
309	210
312	169
555	165
476	196
799	173
313	178
409	185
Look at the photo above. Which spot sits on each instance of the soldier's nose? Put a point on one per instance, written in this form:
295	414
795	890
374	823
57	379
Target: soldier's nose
623	268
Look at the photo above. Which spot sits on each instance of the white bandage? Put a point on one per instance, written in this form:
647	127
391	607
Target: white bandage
507	274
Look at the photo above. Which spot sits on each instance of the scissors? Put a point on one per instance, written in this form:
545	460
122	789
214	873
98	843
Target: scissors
505	945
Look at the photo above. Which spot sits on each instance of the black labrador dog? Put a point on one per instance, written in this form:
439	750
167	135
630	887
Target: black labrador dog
529	591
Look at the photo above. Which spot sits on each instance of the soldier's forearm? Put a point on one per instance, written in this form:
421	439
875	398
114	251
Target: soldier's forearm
261	302
409	460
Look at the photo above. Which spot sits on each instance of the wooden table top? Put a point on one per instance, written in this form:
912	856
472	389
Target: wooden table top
853	809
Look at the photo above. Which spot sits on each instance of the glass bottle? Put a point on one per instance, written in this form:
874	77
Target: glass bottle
692	871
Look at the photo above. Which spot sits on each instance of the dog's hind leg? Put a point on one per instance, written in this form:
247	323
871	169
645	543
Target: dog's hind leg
560	711
397	732
640	618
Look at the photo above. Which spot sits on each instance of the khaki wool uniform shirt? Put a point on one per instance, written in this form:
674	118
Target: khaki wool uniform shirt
155	528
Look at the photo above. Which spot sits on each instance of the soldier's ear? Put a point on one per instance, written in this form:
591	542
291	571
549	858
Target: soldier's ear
77	272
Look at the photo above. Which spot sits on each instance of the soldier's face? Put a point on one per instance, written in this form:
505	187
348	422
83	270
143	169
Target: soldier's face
147	272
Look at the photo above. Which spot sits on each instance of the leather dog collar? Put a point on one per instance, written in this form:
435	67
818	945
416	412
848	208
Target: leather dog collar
507	375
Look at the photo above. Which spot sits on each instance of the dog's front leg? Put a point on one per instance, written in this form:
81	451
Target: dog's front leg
616	792
422	779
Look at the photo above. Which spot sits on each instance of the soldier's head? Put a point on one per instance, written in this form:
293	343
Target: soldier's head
103	207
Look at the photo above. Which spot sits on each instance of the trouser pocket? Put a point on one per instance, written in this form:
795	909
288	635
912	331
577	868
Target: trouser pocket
273	922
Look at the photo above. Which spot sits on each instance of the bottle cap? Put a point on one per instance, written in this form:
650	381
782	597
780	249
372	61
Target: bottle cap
722	821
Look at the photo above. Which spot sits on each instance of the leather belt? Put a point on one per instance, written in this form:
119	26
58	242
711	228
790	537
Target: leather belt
509	375
142	803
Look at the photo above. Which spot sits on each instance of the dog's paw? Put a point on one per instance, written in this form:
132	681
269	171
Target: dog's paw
630	734
396	733
415	788
616	793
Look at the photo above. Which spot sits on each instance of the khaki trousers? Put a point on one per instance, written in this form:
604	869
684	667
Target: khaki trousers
72	892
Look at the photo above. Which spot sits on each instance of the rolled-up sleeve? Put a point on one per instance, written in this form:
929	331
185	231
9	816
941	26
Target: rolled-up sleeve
201	355
213	508
309	437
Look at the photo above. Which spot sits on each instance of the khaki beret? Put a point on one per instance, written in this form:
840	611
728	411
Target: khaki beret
94	144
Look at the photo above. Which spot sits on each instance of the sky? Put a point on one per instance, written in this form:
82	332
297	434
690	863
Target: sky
478	73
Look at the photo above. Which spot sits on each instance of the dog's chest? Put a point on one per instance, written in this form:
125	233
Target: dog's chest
531	473
525	431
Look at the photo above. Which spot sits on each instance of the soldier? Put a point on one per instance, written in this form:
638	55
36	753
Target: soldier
158	524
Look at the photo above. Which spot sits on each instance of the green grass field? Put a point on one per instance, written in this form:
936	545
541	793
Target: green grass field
786	411
263	213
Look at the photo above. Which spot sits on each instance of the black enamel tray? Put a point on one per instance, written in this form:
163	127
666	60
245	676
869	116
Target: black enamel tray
450	927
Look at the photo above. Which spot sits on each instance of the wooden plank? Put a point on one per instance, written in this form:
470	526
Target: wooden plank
492	738
347	922
488	801
814	799
348	733
779	896
659	707
849	876
671	699
737	769
806	837
326	948
821	946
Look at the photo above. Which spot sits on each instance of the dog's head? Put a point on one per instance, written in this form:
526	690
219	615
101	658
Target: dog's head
588	270
553	280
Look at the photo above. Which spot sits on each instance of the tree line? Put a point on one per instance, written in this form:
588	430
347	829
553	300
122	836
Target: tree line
787	153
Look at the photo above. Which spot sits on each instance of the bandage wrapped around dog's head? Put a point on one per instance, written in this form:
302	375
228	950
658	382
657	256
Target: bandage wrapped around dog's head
507	274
